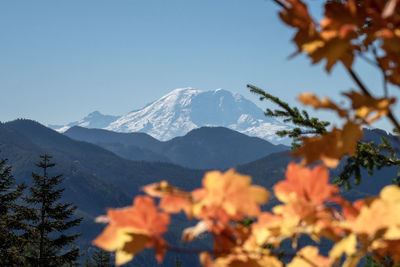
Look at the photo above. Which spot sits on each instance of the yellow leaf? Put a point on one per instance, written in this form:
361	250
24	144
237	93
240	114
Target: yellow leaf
242	260
122	257
312	46
346	246
113	238
385	208
309	257
352	261
127	252
268	228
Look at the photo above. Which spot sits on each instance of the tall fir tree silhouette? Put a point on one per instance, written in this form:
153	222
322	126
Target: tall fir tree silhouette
101	258
49	219
11	218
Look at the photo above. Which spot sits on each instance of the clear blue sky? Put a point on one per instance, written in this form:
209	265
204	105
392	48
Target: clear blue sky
60	60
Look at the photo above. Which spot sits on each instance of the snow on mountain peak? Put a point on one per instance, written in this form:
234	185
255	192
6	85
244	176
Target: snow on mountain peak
185	109
93	120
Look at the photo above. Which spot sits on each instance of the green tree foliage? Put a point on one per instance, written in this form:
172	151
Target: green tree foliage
370	262
49	219
101	258
369	156
11	218
303	123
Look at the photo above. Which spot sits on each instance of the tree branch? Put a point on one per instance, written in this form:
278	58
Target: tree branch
365	90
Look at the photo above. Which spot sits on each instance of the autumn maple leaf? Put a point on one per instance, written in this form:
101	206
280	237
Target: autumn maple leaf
228	195
132	229
385	208
173	199
365	106
302	183
332	146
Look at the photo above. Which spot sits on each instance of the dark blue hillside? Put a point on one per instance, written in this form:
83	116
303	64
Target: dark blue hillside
203	148
95	178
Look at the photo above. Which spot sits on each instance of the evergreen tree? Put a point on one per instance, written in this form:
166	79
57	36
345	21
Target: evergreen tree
11	218
48	221
101	258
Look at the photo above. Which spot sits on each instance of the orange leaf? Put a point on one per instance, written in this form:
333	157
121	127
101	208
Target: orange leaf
142	217
296	14
351	211
162	188
173	199
365	106
131	229
334	50
332	146
174	203
305	184
310	99
228	196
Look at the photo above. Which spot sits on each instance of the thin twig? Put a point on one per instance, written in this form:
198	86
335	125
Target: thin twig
385	82
358	82
364	89
278	2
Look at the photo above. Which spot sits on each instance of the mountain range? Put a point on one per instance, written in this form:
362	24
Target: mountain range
184	109
202	148
96	178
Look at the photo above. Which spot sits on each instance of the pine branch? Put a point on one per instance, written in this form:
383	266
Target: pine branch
306	125
368	155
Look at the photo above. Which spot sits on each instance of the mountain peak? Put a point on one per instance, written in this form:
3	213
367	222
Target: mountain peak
183	90
94	119
185	109
94	113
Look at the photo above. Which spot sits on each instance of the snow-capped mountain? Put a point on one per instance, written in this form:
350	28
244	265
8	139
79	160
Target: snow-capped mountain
93	120
185	109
